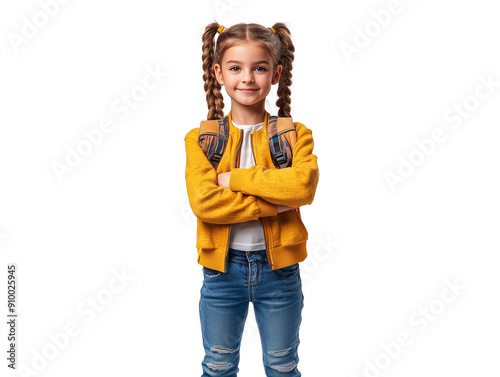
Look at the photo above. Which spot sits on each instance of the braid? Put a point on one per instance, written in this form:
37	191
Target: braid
286	60
215	100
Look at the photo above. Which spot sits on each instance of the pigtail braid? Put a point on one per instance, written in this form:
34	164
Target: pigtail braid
215	100
286	60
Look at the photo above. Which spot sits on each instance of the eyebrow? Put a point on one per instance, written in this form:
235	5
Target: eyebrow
238	62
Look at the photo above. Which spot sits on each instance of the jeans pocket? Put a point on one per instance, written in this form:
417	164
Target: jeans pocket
287	271
211	273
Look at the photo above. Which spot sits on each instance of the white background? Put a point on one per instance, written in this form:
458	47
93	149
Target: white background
376	256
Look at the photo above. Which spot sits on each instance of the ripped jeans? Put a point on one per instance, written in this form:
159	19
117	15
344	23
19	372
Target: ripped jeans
277	300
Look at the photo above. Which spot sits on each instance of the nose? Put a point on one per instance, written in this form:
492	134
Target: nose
247	77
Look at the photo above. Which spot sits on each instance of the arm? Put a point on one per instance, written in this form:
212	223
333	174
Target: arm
223	181
294	186
214	204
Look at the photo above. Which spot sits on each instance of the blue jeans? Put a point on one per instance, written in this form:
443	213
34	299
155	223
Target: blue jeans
277	300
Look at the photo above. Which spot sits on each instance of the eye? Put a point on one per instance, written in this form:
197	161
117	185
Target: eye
263	69
231	69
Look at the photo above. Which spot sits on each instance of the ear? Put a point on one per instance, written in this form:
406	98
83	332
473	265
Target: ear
277	74
218	73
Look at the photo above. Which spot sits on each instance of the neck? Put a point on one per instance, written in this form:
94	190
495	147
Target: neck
253	114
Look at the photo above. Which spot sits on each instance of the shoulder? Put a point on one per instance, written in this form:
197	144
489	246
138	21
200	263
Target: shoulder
301	129
193	134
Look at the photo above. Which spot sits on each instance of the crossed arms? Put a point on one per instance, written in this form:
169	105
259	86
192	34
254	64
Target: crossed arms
247	194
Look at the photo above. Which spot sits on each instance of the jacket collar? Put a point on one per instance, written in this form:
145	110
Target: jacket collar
235	129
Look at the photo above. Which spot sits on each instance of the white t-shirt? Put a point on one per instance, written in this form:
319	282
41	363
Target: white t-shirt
249	235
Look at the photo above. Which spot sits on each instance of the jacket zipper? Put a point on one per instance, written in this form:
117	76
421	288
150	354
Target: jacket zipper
230	225
238	150
263	225
227	248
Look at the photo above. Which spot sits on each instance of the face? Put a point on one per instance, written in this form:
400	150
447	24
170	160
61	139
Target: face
247	73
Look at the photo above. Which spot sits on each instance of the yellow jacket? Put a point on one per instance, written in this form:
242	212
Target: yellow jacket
254	193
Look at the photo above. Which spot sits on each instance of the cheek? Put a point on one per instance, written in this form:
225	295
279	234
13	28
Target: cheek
265	80
232	80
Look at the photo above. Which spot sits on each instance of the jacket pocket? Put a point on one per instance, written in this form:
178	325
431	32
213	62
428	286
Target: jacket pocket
290	229
205	233
299	217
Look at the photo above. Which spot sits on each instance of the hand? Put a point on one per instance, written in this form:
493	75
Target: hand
282	208
223	180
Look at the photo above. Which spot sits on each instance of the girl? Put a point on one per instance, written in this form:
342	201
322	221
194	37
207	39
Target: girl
250	236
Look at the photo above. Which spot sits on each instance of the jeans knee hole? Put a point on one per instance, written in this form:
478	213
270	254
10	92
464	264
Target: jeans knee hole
284	368
219	367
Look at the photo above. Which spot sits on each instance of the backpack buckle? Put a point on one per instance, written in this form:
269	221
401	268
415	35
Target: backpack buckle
279	158
216	157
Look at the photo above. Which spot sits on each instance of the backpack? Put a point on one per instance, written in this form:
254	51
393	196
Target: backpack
281	134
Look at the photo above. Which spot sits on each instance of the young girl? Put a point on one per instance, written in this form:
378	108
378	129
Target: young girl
250	236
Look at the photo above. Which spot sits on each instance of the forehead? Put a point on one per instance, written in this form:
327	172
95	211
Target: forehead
247	53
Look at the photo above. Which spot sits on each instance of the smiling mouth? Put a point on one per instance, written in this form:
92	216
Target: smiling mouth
247	90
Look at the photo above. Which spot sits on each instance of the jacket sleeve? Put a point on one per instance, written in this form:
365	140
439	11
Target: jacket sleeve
294	186
212	203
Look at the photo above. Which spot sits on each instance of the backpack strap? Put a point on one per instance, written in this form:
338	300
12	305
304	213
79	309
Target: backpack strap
282	137
214	135
213	138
